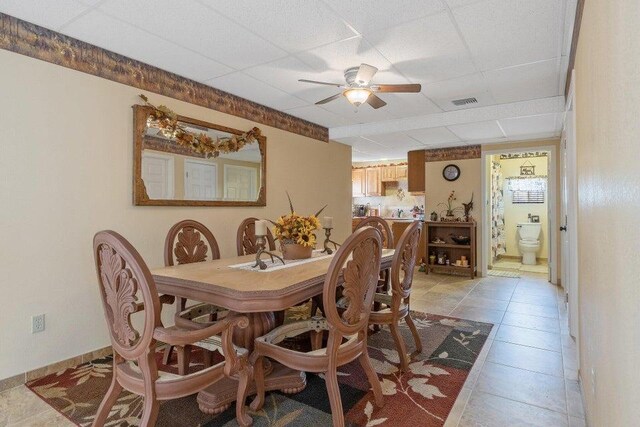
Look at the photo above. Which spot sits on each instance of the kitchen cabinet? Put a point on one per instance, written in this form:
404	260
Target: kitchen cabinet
358	183
388	173
401	172
416	170
373	184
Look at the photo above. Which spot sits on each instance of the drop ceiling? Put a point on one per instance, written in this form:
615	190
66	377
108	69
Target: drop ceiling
511	55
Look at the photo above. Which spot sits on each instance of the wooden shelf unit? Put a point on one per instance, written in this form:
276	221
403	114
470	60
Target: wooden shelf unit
443	230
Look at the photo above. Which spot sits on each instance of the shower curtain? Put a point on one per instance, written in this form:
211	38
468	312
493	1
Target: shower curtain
498	235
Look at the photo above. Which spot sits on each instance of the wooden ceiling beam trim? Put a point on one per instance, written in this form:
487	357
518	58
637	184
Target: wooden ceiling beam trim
40	43
574	44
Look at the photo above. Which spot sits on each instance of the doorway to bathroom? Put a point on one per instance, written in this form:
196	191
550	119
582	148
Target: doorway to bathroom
519	196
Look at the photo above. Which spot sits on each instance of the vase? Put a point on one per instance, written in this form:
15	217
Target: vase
295	251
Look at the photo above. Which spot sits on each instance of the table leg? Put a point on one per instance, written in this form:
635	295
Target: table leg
219	396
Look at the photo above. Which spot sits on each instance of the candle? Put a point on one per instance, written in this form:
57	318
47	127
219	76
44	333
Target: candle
261	228
328	222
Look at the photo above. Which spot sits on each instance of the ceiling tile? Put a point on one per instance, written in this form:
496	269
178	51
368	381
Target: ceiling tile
394	140
197	28
501	33
337	57
434	136
293	27
284	74
477	131
318	115
532	125
524	82
247	87
425	50
47	14
460	3
101	30
402	105
367	16
475	85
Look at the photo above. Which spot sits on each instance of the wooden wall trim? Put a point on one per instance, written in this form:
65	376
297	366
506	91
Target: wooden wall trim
453	153
577	23
40	43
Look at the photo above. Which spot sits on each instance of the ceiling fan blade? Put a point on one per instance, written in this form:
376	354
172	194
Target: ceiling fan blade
365	74
329	99
320	83
375	101
410	88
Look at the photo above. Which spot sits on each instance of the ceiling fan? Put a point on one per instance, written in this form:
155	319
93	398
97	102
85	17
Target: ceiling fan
359	88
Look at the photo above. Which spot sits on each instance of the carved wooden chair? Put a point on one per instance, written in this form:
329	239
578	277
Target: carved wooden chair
123	278
387	242
186	242
396	306
246	238
347	333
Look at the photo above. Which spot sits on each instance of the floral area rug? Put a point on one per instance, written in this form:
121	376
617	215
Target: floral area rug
422	396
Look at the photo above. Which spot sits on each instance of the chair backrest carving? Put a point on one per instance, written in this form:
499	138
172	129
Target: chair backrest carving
246	238
404	260
187	242
356	266
382	226
123	276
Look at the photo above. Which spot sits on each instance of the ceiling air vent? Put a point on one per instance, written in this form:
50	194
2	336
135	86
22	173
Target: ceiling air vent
464	101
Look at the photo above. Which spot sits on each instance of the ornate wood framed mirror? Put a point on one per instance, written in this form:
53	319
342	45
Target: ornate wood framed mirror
168	173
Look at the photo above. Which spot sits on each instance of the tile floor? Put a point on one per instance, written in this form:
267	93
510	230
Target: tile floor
526	374
514	265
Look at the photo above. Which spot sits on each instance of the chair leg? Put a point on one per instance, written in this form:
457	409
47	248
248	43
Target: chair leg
402	349
107	403
414	332
207	358
244	377
258	377
365	362
184	359
331	378
151	407
167	354
316	339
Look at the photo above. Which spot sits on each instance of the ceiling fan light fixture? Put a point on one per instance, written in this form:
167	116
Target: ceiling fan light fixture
357	96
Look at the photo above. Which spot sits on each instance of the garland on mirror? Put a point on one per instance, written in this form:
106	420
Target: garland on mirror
166	120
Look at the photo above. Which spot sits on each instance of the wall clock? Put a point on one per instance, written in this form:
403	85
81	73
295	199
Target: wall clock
451	172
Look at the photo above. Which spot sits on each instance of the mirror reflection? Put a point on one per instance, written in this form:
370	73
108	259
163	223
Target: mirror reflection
171	171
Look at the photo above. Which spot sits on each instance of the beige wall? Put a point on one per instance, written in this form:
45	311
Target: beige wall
608	176
437	191
66	172
515	213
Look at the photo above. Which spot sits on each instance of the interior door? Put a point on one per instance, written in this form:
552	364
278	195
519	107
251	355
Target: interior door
568	217
199	180
157	174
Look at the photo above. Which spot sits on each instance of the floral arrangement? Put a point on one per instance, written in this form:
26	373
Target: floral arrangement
167	121
449	205
294	228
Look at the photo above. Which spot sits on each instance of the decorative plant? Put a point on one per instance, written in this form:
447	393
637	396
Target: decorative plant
167	122
468	207
294	228
450	210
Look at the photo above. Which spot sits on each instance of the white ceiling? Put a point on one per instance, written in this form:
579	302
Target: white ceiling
509	54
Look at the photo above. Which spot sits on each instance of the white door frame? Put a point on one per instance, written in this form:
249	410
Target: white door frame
171	193
571	288
552	192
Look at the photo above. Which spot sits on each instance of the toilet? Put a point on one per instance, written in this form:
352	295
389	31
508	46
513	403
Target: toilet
529	242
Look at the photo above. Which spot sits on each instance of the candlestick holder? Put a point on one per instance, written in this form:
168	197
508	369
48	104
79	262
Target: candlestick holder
327	240
261	242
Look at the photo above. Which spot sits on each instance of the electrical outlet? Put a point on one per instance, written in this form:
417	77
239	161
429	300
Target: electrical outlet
37	323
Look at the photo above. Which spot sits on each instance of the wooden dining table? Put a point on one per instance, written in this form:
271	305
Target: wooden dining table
252	293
